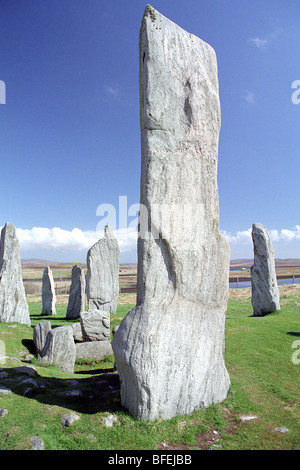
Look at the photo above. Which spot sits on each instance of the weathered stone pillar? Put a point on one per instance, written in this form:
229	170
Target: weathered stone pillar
169	350
76	303
48	293
102	277
13	305
265	293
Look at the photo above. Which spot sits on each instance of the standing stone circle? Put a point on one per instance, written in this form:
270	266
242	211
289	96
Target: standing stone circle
48	292
102	278
169	350
265	293
13	305
76	302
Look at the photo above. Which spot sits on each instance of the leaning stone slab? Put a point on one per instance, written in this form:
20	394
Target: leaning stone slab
95	325
102	277
40	332
13	305
60	349
76	302
169	350
93	350
48	292
265	294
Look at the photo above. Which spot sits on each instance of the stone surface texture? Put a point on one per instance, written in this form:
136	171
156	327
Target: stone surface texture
169	350
48	292
102	278
265	294
76	302
95	325
95	349
13	305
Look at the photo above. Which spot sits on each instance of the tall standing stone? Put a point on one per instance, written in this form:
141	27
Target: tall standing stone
48	292
265	293
76	302
13	305
169	349
102	278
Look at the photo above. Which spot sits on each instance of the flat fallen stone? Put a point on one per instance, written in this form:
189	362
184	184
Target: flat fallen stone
72	393
93	350
28	370
37	443
109	420
33	383
248	418
282	429
69	419
3	412
5	390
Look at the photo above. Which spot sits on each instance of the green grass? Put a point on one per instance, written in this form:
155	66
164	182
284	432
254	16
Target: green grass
264	383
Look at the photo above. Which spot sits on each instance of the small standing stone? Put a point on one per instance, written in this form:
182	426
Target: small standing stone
60	349
13	305
40	333
48	292
77	293
265	293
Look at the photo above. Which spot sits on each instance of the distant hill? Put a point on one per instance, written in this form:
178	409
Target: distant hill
278	262
37	261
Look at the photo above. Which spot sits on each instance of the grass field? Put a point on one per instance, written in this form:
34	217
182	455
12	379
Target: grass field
261	357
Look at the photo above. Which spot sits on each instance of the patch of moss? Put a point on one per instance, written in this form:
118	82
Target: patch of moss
151	11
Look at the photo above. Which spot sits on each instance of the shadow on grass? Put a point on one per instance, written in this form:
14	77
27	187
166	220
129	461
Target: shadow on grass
98	393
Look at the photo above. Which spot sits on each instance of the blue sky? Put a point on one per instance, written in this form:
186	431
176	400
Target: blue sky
70	137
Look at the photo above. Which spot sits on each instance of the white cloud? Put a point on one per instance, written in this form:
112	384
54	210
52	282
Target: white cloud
262	42
283	235
259	42
112	90
64	243
248	96
57	239
240	238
